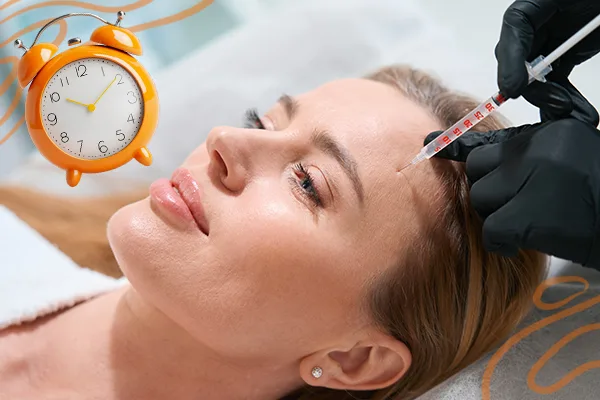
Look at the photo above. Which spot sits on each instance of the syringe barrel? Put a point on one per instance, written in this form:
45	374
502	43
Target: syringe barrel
474	117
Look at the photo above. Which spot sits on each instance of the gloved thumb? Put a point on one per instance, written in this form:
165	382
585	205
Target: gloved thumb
553	100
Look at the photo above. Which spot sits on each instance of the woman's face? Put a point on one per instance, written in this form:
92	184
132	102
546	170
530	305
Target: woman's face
301	217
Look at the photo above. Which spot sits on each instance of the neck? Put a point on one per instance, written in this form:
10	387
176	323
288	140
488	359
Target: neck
136	351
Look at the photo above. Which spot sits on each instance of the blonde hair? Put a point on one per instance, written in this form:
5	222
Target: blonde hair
448	299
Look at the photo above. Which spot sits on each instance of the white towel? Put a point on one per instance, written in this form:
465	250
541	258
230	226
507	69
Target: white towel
36	278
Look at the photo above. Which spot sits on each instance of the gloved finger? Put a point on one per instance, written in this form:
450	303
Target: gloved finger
460	149
492	187
552	99
503	144
502	231
520	23
582	109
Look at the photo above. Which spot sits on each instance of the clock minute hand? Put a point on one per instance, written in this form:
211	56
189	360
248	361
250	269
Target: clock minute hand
102	94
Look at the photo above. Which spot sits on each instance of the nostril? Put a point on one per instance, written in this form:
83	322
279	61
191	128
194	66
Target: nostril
220	163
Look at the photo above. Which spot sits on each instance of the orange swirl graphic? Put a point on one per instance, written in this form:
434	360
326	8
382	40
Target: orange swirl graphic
8	4
72	3
23	31
173	18
62	33
13	130
537	298
201	5
11	75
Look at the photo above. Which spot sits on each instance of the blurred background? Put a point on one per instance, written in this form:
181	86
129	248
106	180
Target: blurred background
163	45
469	23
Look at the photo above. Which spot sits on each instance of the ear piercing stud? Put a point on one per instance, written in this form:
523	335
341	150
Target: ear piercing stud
317	372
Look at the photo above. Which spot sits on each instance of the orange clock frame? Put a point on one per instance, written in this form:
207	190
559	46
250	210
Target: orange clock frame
73	165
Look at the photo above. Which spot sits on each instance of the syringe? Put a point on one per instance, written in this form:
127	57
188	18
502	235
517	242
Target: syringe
537	70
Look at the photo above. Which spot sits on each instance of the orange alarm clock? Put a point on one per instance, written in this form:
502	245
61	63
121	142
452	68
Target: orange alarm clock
91	108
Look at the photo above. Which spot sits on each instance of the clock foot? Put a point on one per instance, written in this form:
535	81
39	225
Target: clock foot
143	156
73	177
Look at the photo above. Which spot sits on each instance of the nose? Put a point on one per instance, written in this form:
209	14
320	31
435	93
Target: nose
234	154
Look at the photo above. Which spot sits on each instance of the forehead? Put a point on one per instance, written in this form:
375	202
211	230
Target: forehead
383	130
375	121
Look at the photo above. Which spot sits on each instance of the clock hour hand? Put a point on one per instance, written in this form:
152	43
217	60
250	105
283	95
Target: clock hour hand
76	102
90	107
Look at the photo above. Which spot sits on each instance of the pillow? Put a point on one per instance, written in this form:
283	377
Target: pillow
292	49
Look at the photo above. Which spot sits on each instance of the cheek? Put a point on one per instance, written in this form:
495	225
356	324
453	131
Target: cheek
267	259
161	263
143	244
288	267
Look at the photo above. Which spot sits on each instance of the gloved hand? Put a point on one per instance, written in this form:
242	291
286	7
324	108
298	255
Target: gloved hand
537	187
536	27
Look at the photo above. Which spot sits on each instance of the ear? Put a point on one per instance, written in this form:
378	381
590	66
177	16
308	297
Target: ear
374	363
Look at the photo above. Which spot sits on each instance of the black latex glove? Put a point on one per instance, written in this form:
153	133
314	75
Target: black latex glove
537	187
536	27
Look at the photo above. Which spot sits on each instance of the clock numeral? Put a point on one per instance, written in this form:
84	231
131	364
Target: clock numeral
52	118
121	135
102	147
133	98
130	119
102	68
120	79
64	137
81	71
80	145
61	81
55	97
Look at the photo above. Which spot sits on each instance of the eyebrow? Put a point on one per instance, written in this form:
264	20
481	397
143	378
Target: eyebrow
326	143
289	104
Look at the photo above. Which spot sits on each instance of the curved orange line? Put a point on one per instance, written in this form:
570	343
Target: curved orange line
23	31
11	75
493	363
12	107
13	130
72	3
564	381
62	33
8	4
172	18
537	296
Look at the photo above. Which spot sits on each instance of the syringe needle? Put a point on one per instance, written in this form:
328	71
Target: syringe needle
403	168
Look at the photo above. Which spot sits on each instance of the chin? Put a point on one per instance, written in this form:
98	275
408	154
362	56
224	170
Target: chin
139	240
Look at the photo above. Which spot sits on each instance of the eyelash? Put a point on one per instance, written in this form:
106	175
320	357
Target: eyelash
253	121
306	184
303	179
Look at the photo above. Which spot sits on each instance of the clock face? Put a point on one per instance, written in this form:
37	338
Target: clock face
92	108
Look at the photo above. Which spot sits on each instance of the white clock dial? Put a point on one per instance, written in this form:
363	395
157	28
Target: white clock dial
92	108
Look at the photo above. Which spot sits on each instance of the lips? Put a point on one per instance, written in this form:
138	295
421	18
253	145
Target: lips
191	193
